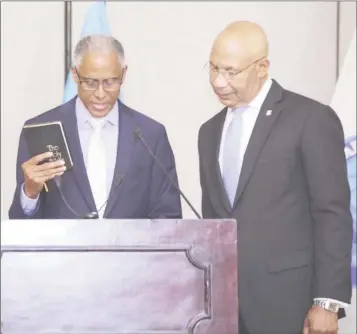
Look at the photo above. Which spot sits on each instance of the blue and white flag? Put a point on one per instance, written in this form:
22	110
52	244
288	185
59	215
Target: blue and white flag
96	22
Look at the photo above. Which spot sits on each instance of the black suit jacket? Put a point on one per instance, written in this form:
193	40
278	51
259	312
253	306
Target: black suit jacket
292	207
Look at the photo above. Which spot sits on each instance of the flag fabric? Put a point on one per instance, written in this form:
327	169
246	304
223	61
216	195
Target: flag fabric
96	22
344	103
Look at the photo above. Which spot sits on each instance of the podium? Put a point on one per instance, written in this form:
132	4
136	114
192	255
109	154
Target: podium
119	277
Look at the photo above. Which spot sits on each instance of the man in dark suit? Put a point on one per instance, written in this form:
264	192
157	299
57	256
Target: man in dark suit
113	174
274	160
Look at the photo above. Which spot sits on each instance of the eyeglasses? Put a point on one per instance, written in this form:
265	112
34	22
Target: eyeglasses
108	84
228	74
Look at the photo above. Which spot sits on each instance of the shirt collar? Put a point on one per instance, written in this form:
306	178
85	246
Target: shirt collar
84	117
258	101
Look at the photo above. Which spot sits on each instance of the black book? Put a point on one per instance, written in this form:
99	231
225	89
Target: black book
48	137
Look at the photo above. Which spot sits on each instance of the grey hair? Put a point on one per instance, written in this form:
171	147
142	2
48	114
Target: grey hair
101	43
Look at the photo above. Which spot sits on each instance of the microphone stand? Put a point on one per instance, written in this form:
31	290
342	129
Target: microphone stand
138	135
90	215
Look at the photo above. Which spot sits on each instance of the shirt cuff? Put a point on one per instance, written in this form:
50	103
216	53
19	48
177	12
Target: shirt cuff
341	304
29	205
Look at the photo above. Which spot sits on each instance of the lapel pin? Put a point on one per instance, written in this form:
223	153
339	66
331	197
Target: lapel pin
268	113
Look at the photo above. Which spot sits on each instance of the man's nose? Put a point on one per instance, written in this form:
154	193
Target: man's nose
220	81
100	92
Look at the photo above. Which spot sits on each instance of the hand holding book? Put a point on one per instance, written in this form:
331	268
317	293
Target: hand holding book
48	137
36	174
47	144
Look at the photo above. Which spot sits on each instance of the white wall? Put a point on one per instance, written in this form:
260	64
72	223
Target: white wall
32	75
347	27
167	45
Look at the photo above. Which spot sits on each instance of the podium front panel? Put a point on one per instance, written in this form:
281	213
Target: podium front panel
129	276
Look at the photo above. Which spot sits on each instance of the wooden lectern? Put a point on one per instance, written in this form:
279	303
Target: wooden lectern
119	277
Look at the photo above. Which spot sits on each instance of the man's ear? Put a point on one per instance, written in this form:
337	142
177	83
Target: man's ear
264	68
74	75
123	74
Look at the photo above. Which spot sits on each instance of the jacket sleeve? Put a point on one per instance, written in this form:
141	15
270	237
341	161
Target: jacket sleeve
325	170
16	210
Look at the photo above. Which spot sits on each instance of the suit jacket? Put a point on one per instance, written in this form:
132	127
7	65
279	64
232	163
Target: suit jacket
292	208
144	190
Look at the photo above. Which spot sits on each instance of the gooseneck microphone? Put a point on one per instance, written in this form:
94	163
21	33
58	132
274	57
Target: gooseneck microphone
89	215
158	162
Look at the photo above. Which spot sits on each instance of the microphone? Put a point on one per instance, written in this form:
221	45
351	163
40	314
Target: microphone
90	215
138	135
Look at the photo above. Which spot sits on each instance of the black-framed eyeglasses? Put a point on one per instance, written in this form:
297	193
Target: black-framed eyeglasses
108	84
228	73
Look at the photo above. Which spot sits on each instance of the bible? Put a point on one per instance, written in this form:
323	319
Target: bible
48	137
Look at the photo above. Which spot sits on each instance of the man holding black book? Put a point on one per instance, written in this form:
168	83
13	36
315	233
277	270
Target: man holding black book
119	162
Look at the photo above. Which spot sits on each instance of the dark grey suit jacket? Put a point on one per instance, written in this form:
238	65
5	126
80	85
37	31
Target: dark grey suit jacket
292	207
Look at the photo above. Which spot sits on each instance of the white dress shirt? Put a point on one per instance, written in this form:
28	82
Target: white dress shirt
249	117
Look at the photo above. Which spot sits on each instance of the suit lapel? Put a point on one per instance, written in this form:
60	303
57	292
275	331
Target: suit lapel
216	170
261	130
126	140
79	169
